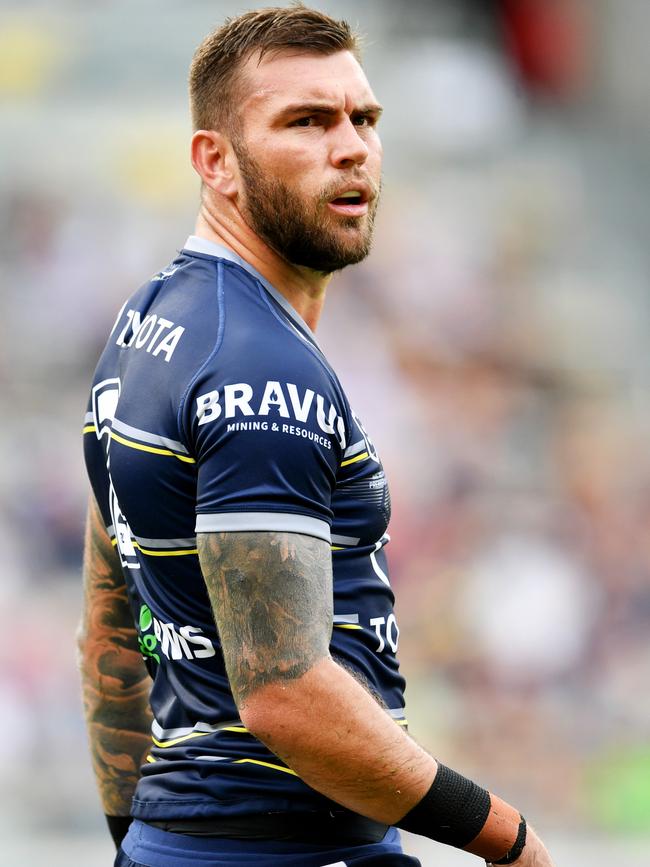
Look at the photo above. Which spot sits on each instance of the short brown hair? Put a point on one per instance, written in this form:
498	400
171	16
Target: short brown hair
218	59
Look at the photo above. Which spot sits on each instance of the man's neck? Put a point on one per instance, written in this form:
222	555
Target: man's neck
303	288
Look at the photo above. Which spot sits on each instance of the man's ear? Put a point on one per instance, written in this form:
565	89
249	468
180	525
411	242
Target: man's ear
214	160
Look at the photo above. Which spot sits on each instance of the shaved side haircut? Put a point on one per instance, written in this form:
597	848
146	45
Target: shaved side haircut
216	82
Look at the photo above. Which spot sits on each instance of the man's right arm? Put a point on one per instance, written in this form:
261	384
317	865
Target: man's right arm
272	599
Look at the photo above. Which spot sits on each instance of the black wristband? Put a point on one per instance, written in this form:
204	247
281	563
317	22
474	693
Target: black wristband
118	826
453	811
517	846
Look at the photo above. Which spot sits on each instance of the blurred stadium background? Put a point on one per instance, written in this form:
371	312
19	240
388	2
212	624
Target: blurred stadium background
497	337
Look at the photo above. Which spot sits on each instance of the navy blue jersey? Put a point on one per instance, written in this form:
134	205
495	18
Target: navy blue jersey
213	409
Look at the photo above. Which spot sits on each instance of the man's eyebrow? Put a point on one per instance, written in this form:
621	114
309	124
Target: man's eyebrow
370	108
327	108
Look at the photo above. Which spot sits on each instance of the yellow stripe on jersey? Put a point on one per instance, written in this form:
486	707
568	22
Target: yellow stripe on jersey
174	741
348	626
356	458
265	765
152	449
89	428
162	552
240	729
151	759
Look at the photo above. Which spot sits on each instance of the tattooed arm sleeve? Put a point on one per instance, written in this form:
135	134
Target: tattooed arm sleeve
272	599
115	682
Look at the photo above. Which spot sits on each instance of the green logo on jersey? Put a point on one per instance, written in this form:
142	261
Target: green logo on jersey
167	639
148	643
145	618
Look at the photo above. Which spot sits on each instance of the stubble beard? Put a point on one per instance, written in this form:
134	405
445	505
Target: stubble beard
300	234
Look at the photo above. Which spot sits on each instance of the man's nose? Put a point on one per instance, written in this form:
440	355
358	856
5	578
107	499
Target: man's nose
348	149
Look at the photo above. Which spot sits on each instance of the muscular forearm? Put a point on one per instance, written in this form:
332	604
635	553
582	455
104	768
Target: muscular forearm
337	738
115	684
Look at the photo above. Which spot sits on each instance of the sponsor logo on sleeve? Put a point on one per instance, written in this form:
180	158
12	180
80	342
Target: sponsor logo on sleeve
279	406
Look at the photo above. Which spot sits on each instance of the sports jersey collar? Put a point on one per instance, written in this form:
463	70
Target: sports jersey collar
195	244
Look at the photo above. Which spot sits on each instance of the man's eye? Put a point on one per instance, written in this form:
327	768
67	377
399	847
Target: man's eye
364	120
303	121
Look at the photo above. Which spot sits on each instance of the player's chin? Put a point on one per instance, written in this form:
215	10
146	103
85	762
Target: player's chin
336	257
354	253
349	239
351	231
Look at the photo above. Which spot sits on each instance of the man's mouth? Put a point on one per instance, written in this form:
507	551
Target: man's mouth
352	197
352	203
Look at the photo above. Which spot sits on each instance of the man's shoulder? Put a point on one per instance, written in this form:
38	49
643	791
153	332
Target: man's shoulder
265	362
176	307
207	325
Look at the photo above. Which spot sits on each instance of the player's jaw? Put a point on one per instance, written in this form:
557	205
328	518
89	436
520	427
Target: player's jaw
325	232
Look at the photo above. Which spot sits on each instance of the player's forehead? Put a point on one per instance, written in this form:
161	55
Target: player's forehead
296	78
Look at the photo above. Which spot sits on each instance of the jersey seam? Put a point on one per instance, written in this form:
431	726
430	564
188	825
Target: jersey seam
271	290
315	350
217	346
281	318
273	306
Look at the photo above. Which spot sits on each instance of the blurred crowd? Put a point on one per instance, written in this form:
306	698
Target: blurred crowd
494	345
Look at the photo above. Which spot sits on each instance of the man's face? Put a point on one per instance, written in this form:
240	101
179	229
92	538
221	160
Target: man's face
310	158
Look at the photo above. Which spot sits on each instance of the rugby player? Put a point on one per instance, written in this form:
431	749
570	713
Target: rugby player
237	528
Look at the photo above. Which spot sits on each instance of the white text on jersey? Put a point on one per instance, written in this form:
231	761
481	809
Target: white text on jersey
152	331
281	398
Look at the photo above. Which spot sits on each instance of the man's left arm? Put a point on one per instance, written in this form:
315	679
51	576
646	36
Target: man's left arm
114	679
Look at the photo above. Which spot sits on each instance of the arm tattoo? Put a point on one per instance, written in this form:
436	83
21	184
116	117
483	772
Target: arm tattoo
115	683
272	600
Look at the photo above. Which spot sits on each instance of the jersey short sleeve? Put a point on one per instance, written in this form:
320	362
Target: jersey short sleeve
266	423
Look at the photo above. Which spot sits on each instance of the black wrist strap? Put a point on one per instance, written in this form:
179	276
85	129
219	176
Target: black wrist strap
517	846
453	811
118	826
457	812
